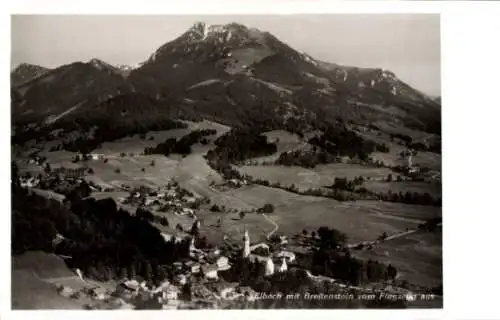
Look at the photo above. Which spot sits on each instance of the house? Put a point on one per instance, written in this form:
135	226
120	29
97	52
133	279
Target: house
283	267
222	263
171	293
195	268
283	240
189	200
65	291
132	285
264	246
288	255
95	156
149	201
98	294
181	279
210	271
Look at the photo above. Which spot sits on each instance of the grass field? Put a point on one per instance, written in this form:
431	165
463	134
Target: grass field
418	257
285	141
433	189
320	176
35	277
393	158
360	220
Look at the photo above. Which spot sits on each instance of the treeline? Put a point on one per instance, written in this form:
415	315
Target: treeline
332	259
306	159
104	242
104	132
238	145
241	144
340	141
181	146
346	190
418	146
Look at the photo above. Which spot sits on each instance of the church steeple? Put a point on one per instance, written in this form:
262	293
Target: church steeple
246	244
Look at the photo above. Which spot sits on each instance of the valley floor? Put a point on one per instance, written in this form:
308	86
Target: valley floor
418	256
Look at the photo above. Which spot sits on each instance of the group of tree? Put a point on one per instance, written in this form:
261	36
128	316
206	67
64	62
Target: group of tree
332	259
182	145
306	159
93	134
341	141
235	146
266	208
240	144
104	242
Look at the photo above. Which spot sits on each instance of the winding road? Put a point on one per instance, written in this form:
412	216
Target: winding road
276	226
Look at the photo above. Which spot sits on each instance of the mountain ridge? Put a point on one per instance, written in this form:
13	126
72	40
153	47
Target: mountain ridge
212	68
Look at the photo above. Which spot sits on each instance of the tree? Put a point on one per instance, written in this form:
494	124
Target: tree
242	215
304	232
391	272
186	292
389	177
267	208
152	164
123	154
117	170
47	168
215	208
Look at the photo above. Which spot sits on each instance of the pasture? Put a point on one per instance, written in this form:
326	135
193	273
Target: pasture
434	189
318	177
360	220
417	257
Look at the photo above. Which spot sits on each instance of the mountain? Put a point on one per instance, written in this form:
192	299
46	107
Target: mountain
232	69
238	76
26	72
62	89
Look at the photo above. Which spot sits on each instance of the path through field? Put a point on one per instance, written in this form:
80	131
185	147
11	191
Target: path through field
276	226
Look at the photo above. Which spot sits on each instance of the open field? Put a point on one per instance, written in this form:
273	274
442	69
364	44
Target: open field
393	158
285	141
360	220
35	277
136	145
434	189
320	176
418	257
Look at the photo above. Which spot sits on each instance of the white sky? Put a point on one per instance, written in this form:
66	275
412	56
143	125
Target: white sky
407	44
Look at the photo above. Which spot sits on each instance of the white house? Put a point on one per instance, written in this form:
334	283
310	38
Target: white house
210	272
283	267
222	263
290	256
269	267
171	293
181	279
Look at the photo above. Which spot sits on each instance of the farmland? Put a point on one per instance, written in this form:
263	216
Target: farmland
320	176
359	220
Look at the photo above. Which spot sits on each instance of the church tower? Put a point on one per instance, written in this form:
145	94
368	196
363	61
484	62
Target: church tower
246	245
191	245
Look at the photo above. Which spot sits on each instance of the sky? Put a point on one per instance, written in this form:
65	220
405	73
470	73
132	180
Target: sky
407	44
